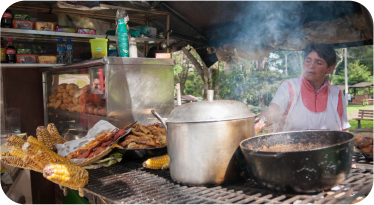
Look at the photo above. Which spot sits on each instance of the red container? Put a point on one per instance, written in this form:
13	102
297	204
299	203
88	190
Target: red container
23	24
27	58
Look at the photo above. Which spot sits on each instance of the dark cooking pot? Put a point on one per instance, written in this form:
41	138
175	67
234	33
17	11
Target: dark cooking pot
300	161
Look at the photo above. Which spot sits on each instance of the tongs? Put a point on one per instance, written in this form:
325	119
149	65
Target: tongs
262	118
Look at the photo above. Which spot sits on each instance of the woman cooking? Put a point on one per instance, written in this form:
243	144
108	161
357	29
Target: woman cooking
308	102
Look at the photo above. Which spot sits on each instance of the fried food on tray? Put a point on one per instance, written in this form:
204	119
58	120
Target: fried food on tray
97	145
143	137
145	140
363	141
133	145
365	144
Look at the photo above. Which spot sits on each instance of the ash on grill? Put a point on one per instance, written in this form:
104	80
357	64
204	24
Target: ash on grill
128	182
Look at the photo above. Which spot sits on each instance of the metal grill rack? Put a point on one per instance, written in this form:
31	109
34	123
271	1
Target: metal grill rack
128	182
362	162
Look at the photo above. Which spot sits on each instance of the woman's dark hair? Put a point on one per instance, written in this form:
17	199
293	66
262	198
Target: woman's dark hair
324	51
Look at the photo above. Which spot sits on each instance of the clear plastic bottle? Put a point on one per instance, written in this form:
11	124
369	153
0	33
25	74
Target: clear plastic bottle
69	52
60	51
133	49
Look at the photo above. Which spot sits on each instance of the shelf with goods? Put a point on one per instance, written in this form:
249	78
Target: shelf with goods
31	65
105	13
52	35
66	120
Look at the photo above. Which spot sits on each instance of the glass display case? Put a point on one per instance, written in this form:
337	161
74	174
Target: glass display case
119	90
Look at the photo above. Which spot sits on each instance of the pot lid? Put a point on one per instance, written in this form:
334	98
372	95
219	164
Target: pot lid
209	111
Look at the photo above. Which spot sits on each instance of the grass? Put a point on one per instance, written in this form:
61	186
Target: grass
364	124
356	108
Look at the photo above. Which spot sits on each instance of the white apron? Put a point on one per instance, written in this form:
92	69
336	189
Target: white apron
299	117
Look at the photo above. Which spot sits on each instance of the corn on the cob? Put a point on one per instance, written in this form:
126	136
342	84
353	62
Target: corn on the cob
44	137
68	175
43	156
5	154
16	151
156	162
57	138
35	141
14	162
14	141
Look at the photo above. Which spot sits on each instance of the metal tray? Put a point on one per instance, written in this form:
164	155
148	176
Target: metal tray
142	154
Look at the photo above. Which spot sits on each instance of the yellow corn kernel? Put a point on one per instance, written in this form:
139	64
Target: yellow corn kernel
35	141
14	162
156	162
5	154
44	137
68	175
14	141
43	156
16	151
57	138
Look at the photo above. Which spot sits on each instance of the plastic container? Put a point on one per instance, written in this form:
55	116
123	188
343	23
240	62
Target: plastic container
47	59
99	48
23	51
69	51
64	29
21	17
44	26
3	51
86	31
133	49
23	24
27	58
60	51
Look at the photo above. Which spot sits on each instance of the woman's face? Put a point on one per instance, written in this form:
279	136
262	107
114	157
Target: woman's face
315	67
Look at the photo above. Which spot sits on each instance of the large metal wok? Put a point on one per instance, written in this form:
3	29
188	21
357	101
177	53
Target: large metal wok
300	161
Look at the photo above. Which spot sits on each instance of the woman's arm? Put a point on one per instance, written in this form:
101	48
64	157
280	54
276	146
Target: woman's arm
273	114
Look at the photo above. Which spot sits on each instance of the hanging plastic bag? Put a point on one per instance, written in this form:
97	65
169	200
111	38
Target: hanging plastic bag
122	18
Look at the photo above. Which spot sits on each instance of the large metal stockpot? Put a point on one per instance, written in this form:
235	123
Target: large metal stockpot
203	138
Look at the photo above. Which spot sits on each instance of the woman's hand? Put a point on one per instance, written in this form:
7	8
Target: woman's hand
259	126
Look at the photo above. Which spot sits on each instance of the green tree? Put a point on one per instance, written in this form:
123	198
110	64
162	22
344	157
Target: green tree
356	73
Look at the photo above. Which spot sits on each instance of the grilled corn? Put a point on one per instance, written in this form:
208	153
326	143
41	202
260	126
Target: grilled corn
68	175
43	156
57	139
157	162
35	141
16	151
44	137
14	162
5	154
14	141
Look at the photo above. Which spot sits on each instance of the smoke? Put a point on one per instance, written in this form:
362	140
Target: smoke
257	28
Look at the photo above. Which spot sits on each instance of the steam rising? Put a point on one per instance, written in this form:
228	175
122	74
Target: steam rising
261	27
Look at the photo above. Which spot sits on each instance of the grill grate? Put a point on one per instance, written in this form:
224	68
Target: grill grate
362	162
129	182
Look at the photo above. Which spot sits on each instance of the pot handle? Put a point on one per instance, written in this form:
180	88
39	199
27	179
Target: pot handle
268	155
159	118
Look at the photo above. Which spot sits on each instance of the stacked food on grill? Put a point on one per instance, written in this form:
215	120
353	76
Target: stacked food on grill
142	137
72	98
98	145
365	144
37	154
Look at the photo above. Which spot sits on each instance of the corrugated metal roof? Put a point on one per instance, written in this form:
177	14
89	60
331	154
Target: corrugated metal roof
362	85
